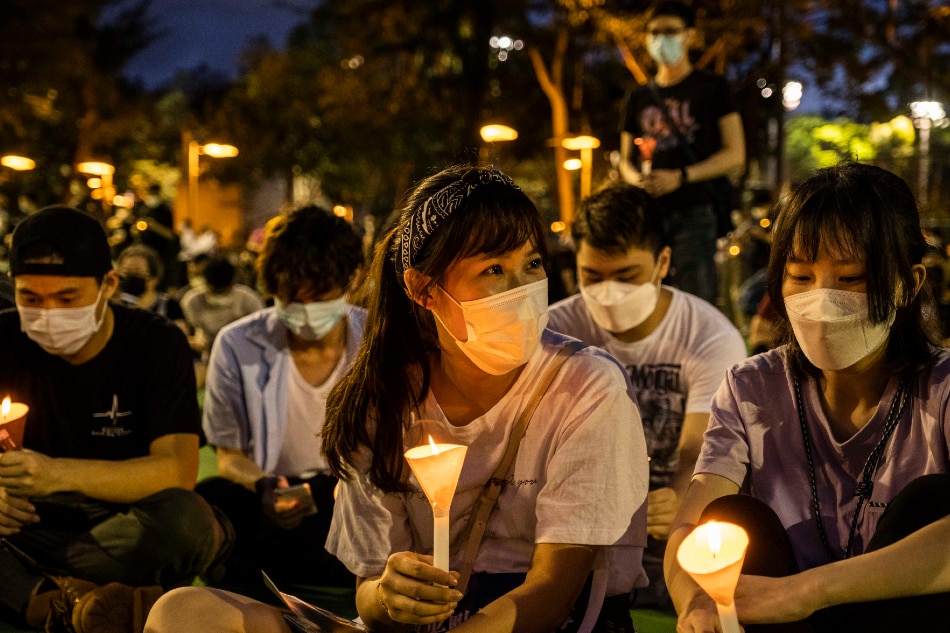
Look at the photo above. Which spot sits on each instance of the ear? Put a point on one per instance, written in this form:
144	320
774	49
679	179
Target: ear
920	276
417	286
663	262
110	283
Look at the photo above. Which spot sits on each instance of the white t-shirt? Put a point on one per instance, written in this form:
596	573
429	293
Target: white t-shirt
580	476
675	370
301	452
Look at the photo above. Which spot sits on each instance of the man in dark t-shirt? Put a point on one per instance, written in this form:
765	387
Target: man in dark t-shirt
97	512
679	136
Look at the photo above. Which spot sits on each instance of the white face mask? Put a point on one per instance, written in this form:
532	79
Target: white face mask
311	321
833	328
505	329
618	306
667	50
61	331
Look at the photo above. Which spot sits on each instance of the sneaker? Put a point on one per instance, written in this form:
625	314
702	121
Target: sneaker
81	606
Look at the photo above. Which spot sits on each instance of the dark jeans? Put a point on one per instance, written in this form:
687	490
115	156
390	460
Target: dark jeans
924	501
692	234
165	539
297	555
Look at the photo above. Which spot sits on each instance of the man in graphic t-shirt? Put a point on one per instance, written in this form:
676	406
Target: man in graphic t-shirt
676	347
96	511
691	121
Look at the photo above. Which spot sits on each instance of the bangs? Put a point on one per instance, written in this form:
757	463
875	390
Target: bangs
842	225
496	219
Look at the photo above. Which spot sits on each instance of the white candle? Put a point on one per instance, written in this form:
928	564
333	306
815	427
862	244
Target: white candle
646	167
437	468
712	555
440	541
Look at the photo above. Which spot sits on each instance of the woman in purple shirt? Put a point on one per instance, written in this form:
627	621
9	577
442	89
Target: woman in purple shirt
832	451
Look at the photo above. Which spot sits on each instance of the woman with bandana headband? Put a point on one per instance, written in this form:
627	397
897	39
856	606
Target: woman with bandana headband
268	379
839	438
454	346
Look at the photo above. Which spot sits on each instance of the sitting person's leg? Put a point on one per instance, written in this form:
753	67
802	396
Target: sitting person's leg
924	501
770	551
213	611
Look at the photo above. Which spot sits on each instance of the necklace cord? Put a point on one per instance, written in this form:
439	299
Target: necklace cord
866	485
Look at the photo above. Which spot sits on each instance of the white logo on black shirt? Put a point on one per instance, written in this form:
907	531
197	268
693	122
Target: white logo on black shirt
113	429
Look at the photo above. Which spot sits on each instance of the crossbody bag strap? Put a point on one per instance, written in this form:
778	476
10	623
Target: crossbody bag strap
493	487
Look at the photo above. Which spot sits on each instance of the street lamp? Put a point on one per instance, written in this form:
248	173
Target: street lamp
215	150
926	115
17	163
586	145
104	172
493	133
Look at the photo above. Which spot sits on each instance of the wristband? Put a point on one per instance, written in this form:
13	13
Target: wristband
265	483
685	175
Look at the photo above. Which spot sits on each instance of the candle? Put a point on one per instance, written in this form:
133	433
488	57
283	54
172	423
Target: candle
646	147
712	555
437	468
12	424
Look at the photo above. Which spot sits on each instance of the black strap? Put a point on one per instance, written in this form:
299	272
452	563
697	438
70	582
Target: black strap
866	484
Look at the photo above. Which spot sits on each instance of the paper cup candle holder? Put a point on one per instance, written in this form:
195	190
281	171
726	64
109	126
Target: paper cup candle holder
437	468
712	555
12	424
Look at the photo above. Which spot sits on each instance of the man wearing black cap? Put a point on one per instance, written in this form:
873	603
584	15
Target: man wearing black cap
97	515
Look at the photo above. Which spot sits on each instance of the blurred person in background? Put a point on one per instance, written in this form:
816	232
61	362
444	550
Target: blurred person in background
140	271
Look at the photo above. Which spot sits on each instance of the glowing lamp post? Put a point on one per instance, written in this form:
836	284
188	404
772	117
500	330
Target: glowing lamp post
926	115
437	468
586	145
495	133
17	163
712	555
12	424
215	150
104	172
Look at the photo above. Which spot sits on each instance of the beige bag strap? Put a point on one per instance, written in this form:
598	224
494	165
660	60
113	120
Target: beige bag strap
494	485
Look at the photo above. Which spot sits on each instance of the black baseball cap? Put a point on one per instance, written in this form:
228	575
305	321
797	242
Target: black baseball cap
70	242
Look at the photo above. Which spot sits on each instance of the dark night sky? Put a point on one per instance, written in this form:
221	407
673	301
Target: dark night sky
211	32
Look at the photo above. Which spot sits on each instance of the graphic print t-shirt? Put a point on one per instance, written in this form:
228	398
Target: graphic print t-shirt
141	386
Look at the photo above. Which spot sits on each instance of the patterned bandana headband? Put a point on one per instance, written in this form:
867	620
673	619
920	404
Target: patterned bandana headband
437	207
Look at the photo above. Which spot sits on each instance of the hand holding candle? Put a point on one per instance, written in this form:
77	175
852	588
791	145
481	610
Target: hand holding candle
12	424
437	468
646	147
712	555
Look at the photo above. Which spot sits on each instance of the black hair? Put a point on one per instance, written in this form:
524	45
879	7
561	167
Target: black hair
674	8
156	268
369	407
618	218
870	214
219	273
309	248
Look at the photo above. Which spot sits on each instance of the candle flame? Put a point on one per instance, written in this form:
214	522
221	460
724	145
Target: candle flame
5	410
715	538
435	449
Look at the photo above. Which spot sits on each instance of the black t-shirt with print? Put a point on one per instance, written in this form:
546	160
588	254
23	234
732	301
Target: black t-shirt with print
695	105
140	387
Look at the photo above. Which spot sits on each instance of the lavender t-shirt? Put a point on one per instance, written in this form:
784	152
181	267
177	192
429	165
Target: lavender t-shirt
754	439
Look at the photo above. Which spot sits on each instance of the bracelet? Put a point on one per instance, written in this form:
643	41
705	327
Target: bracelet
382	603
685	176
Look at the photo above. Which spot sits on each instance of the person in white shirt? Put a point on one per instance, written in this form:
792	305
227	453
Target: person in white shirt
675	346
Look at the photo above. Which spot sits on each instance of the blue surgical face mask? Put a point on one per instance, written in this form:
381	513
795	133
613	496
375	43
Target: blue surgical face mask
667	49
311	321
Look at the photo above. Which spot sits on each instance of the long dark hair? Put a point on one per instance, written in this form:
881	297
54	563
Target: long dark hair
369	407
868	213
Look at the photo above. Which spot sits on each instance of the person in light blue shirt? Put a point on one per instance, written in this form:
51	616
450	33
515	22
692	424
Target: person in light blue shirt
268	378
